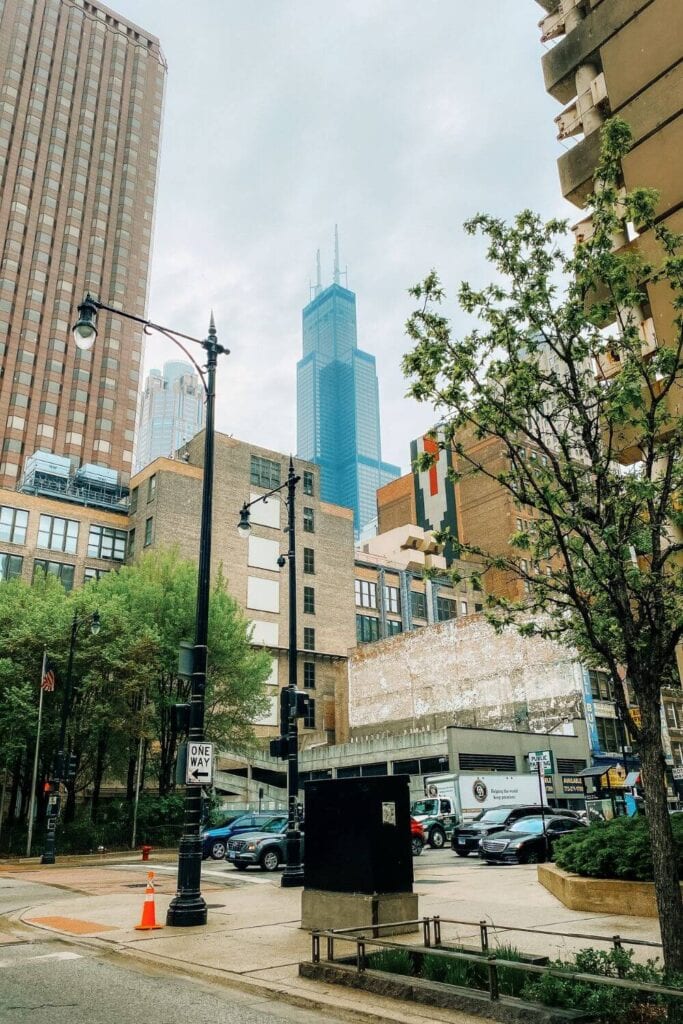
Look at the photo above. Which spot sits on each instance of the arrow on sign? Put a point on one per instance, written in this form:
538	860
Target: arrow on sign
196	774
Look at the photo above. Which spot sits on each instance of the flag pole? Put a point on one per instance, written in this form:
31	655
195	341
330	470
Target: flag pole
35	757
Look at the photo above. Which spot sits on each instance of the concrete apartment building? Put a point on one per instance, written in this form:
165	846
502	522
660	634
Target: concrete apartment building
165	512
81	96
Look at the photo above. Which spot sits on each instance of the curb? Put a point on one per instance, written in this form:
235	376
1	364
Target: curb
274	991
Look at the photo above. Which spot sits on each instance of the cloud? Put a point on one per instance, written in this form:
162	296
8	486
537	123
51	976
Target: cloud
396	120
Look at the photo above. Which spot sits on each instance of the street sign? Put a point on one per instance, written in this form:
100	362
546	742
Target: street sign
199	768
546	759
677	771
572	784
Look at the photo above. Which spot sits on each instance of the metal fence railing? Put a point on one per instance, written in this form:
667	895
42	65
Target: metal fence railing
432	943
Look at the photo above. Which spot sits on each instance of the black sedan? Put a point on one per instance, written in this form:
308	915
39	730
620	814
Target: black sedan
525	841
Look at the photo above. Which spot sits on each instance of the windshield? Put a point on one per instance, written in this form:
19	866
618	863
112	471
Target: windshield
494	817
424	807
534	825
274	825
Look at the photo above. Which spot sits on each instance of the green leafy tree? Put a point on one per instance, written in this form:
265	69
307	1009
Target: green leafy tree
595	459
158	595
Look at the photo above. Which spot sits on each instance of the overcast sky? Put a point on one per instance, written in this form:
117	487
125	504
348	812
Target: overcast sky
395	119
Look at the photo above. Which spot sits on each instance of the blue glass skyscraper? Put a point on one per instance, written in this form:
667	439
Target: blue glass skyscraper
338	404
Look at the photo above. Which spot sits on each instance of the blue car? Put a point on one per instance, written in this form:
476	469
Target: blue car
215	840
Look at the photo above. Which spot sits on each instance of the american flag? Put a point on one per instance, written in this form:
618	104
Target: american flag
49	678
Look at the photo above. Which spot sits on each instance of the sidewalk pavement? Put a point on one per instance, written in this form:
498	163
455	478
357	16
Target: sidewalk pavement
253	940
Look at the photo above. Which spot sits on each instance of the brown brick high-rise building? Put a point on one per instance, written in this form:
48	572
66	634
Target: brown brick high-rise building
81	94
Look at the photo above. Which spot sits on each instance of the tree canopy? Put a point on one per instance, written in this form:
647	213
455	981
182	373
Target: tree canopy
559	370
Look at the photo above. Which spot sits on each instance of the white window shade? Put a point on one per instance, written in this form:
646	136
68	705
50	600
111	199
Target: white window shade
263	595
263	554
265	513
265	633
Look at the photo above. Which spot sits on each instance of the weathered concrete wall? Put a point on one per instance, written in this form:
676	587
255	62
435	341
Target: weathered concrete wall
462	672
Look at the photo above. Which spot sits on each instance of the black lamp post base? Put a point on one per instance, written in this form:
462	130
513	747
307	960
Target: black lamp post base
47	858
188	907
186	912
292	877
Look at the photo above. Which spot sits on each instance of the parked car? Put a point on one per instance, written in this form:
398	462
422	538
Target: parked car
524	842
215	840
417	837
465	838
265	848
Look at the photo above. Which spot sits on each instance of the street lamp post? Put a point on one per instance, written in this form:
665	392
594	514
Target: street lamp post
293	874
61	768
188	906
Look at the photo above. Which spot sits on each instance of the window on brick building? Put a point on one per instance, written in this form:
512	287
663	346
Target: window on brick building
309	520
392	600
264	472
393	627
309	716
366	593
63	571
309	561
445	609
309	675
367	629
309	600
419	605
58	534
309	638
106	542
308	482
148	530
13	524
10	566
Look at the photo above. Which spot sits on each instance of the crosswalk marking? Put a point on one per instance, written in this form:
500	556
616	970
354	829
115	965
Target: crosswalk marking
45	956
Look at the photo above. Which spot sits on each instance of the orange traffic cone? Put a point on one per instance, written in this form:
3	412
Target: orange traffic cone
149	920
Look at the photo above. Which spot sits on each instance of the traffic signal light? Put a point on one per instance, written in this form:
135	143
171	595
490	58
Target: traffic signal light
180	719
280	748
71	767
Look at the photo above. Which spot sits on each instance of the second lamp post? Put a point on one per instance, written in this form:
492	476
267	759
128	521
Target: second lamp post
293	874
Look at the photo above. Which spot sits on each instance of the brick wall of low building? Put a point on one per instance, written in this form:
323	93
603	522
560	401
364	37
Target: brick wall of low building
464	673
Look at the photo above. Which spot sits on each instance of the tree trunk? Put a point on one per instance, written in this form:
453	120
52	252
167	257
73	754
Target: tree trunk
131	772
14	790
664	860
99	774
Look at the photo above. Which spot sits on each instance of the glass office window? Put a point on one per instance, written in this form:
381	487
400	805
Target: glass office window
58	534
13	523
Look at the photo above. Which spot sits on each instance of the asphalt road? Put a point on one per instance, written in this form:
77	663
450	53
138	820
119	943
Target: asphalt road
57	982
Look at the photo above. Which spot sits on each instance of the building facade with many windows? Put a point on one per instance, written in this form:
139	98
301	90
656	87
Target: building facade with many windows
81	96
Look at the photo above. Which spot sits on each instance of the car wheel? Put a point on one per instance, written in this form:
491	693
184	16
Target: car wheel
462	853
270	860
437	838
416	846
217	850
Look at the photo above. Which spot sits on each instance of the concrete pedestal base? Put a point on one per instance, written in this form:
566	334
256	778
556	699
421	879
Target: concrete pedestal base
325	910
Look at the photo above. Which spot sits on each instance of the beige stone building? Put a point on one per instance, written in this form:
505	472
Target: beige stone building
81	96
165	512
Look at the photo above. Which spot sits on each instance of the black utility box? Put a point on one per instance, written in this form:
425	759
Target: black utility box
358	835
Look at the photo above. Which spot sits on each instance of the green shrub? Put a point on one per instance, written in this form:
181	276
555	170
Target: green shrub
394	961
608	1004
614	849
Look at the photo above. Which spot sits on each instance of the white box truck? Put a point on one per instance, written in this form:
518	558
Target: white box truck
452	799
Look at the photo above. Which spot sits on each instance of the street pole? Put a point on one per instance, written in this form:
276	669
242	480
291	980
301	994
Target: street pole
34	780
293	874
59	773
188	906
541	794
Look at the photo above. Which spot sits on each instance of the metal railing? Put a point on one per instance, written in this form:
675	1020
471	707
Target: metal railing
432	942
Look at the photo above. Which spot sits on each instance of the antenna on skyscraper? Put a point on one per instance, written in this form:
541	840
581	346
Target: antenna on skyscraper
336	256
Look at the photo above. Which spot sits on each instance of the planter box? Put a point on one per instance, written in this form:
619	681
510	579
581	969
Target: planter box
600	895
434	993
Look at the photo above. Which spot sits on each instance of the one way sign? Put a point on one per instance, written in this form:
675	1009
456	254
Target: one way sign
199	770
